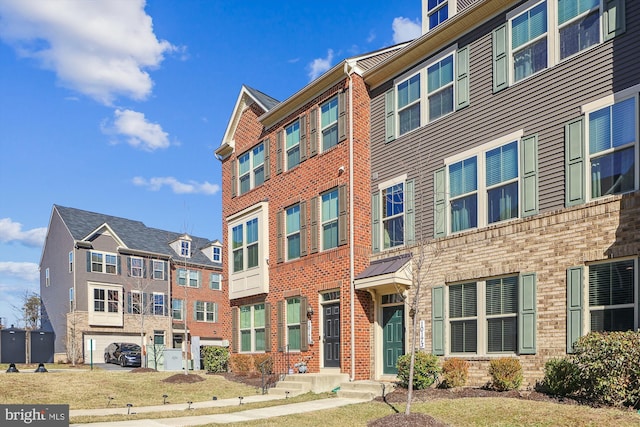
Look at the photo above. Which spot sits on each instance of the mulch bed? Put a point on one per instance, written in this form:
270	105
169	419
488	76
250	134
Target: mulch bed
183	379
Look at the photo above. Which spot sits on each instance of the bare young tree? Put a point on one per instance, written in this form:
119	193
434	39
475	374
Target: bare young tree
30	312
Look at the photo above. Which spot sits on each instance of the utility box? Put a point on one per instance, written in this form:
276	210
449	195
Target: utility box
42	346
172	359
13	346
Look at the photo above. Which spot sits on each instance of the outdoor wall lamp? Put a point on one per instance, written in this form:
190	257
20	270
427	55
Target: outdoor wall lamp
309	311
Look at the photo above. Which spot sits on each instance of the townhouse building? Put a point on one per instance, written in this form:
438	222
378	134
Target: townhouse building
110	279
505	181
295	216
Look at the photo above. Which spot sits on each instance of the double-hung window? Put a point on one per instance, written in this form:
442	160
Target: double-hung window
177	309
245	246
292	144
293	232
189	278
502	182
463	315
329	123
437	12
529	41
158	304
106	300
612	296
502	312
463	189
206	311
103	262
293	323
251	168
409	104
393	216
158	269
136	267
237	245
440	88
252	327
612	148
329	219
578	25
215	281
136	302
217	254
185	248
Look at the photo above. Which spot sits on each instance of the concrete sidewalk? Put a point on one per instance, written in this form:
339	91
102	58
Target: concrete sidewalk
138	419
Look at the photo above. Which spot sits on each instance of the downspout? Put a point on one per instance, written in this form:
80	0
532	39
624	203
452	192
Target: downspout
347	70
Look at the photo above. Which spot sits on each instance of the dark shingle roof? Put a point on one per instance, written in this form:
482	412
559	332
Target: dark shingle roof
134	234
267	101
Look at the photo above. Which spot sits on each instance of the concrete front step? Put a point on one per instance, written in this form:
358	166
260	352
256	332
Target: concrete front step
364	389
302	383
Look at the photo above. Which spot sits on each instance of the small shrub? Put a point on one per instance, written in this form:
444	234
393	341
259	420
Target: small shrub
242	364
425	370
506	373
560	377
259	359
454	372
215	359
608	366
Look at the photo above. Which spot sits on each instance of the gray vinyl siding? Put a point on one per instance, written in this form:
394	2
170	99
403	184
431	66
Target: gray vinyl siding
540	105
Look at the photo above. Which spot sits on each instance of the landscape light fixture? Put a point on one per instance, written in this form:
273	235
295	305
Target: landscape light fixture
129	405
12	368
109	399
164	399
189	403
286	394
241	399
41	368
215	398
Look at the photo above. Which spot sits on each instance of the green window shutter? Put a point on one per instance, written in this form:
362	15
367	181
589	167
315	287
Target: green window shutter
235	314
462	78
500	59
437	320
410	214
88	261
267	165
342	215
529	166
574	162
279	152
342	116
129	305
390	114
527	322
574	306
199	279
165	306
281	326
144	268
267	327
234	180
439	204
613	18
313	132
304	331
280	236
303	228
375	222
303	138
118	268
129	266
314	225
195	310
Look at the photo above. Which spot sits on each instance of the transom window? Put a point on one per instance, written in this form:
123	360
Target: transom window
437	11
245	246
206	311
292	144
440	88
252	327
329	123
529	41
104	263
612	148
393	215
251	168
578	24
293	232
330	220
293	323
612	296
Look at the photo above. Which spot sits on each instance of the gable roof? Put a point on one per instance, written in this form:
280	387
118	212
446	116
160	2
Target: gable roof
134	235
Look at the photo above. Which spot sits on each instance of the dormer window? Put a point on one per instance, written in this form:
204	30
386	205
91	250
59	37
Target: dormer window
217	254
185	248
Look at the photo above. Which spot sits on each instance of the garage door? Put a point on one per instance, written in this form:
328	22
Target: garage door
102	341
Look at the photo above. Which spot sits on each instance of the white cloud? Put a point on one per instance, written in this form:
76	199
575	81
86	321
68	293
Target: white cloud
191	187
320	65
139	133
27	271
12	232
404	29
99	48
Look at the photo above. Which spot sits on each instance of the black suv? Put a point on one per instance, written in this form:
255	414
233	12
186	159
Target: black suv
123	353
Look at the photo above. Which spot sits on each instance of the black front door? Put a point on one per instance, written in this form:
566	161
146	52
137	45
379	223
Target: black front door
331	340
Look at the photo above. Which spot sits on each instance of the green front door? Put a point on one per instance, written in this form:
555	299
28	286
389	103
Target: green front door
393	341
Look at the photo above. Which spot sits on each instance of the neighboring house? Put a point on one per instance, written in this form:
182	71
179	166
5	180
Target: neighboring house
108	279
504	141
295	216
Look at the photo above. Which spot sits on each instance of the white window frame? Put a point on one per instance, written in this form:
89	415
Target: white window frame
215	278
402	179
293	233
554	13
294	146
136	302
206	311
292	325
450	4
423	99
252	329
107	316
137	271
333	124
177	310
185	248
482	199
252	169
636	289
102	262
70	261
481	317
217	254
598	105
158	267
331	220
157	305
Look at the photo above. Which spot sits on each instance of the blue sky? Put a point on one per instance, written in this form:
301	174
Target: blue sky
116	106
